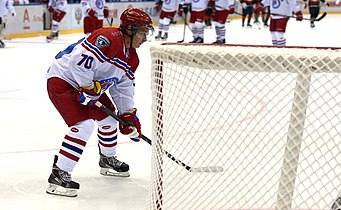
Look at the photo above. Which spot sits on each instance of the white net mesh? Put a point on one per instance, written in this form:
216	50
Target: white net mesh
269	117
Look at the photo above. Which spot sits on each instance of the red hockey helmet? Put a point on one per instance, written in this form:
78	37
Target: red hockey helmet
133	18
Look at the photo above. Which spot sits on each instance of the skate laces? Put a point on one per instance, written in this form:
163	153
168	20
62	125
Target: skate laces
65	176
113	161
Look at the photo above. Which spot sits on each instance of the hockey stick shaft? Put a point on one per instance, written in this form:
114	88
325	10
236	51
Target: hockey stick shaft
109	22
284	16
179	162
184	33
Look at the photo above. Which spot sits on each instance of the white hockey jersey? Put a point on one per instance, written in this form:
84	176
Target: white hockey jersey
101	56
197	5
279	7
96	5
6	8
223	4
58	4
170	5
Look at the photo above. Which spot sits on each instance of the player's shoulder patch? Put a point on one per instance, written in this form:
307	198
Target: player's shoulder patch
102	41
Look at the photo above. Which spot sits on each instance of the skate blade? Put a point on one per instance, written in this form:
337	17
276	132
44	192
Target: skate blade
61	191
111	172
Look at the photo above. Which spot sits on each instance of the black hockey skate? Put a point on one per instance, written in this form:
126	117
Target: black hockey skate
2	44
111	166
158	36
164	37
52	36
219	41
61	183
197	40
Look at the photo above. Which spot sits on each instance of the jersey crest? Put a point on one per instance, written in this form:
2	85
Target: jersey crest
102	41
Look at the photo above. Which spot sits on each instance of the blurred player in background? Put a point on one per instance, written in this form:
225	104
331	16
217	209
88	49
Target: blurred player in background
57	8
222	10
197	17
6	8
247	11
314	10
167	12
94	11
80	75
280	13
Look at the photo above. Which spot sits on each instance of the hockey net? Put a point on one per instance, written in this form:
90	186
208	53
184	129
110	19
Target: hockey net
269	117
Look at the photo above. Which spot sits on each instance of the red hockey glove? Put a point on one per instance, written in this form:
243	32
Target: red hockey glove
50	9
106	12
231	9
259	8
92	13
299	16
133	132
89	96
158	6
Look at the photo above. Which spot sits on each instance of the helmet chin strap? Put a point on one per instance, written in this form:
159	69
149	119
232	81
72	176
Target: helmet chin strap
133	32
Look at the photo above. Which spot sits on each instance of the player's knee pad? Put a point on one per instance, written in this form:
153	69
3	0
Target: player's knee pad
166	21
217	24
199	24
107	123
82	130
192	25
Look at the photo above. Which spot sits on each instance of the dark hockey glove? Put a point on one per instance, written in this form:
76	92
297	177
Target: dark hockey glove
158	6
50	9
299	16
106	12
133	132
88	96
231	9
92	13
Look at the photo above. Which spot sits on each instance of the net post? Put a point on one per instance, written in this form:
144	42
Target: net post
294	140
157	144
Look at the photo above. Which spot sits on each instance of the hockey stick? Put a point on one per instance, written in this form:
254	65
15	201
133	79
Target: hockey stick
185	24
317	19
179	162
109	22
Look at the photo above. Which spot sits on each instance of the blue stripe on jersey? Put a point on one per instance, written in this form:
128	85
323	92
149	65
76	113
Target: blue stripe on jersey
107	139
68	49
71	147
97	51
121	63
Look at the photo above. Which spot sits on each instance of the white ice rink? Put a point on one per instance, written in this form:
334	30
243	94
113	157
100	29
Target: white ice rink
32	130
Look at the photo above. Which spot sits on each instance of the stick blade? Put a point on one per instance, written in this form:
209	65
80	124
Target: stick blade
321	17
212	169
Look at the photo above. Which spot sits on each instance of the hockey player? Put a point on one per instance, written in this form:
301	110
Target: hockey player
106	60
222	10
247	11
6	8
280	13
197	17
168	10
314	10
94	12
57	8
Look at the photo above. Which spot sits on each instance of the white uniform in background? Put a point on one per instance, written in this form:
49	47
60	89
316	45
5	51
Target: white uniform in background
167	14
281	7
280	13
57	8
6	8
94	12
96	5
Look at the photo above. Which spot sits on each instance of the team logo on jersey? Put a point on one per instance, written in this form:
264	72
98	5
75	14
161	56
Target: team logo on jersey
102	41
